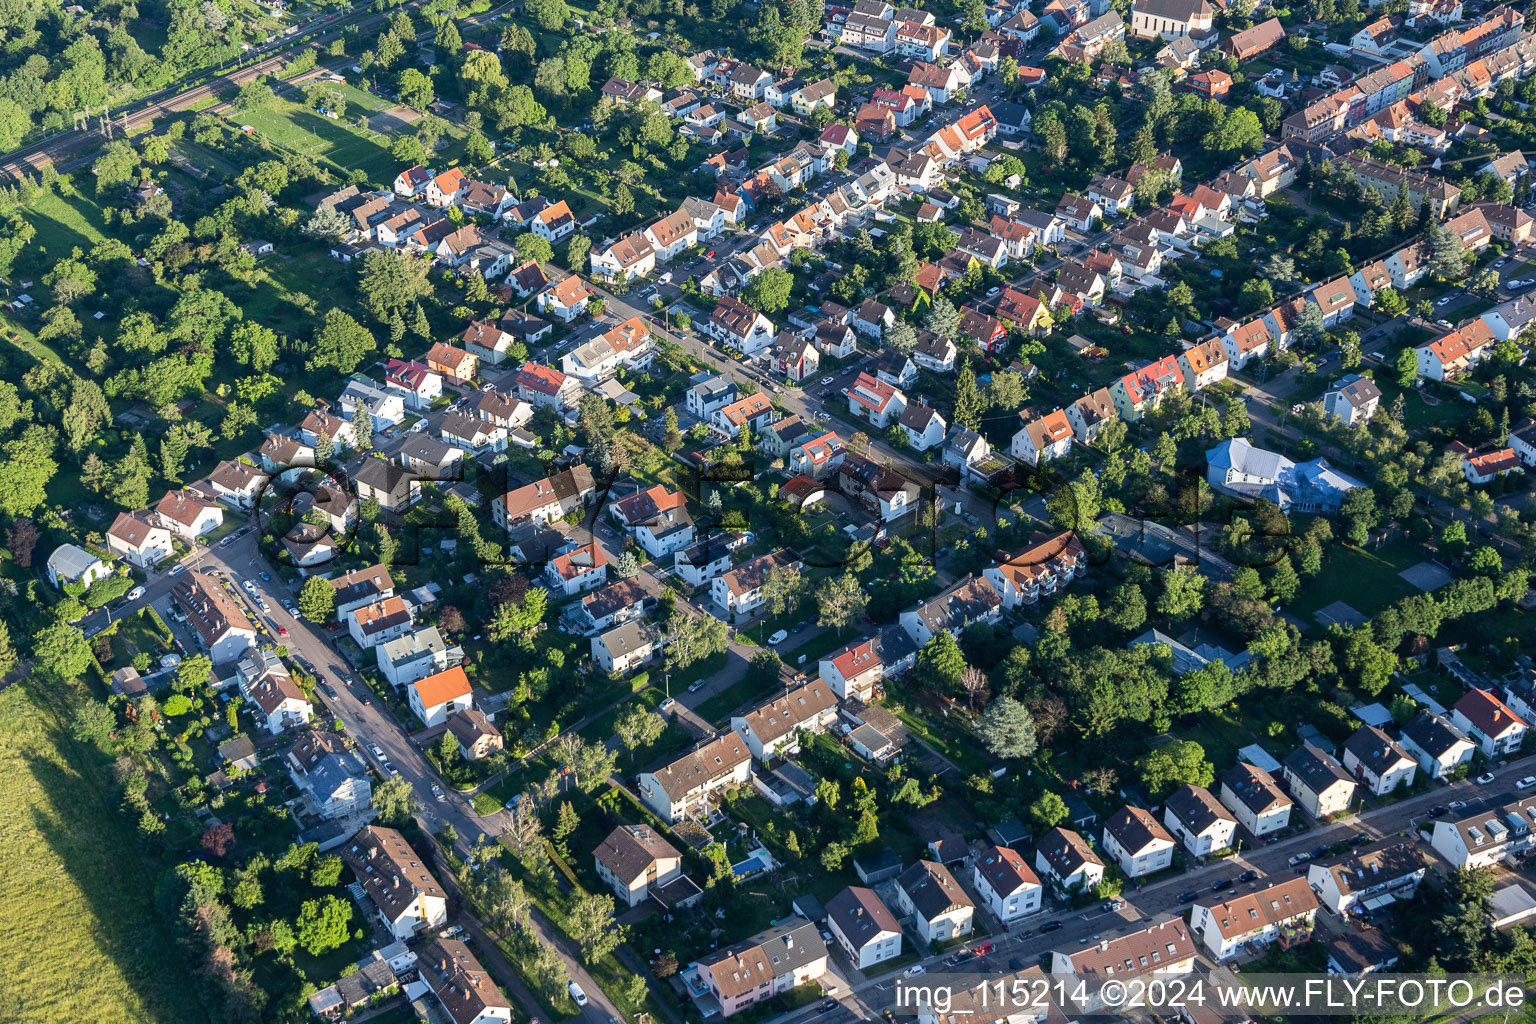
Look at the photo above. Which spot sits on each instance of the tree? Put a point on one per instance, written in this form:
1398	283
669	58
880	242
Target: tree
967	398
942	319
626	566
1049	809
591	924
1183	594
1309	326
1447	254
550	15
941	664
61	650
1076	506
1005	390
1179	763
415	89
531	247
390	284
768	292
340	344
638	726
1407	366
840	601
577	249
782	589
1007	729
395	801
323	924
317	600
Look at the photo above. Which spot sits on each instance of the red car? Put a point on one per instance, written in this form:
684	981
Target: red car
710	255
983	949
282	630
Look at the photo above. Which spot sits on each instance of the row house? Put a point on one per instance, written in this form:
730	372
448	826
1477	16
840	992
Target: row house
1453	354
1369	880
1486	837
774	727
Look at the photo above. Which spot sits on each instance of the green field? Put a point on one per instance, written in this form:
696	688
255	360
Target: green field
296	127
1367	581
77	923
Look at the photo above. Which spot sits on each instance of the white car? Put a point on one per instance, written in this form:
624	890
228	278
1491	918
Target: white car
1516	282
135	593
1445	299
1485	778
577	994
668	704
825	381
778	637
915	970
1526	783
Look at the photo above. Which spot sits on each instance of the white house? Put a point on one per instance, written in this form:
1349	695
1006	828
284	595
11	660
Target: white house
141	540
1489	723
274	698
933	901
439	695
875	401
1137	842
1380	764
1369	879
70	563
1438	745
864	926
634	859
738	325
775	725
1486	837
1252	794
672	789
379	622
1318	782
1064	858
1284	911
1007	886
1164	949
1200	820
740	591
188	516
626	647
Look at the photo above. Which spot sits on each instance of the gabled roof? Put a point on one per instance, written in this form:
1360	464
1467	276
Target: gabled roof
1256	911
442	687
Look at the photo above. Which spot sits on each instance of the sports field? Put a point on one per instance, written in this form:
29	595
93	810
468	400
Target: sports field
333	141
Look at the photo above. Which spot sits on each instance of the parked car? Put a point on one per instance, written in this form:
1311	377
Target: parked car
135	593
697	686
1485	778
668	704
985	949
1189	896
827	1005
777	637
577	994
1248	876
1050	926
915	970
437	793
1526	783
1300	858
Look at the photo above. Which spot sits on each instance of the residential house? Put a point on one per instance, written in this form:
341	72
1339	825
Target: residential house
1282	912
1042	438
1252	794
1088	414
565	300
774	726
854	671
739	592
706	395
1199	819
1438	745
1047	563
416	383
222	630
934	903
237	483
1483	838
462	987
626	647
1370	879
1065	859
924	427
1489	466
1144	389
1352	399
754	413
883	491
739	326
874	400
332	780
786	956
1164	949
864	927
1007	886
379	622
1318	782
577	570
138	538
1204	364
1380	764
546	500
436	697
635	859
403	893
674	788
188	516
817	457
553	223
1141	846
274	699
1488	722
970	600
413	656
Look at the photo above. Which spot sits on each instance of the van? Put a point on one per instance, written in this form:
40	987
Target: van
577	994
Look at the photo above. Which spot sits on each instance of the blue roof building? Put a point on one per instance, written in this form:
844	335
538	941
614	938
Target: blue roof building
1238	468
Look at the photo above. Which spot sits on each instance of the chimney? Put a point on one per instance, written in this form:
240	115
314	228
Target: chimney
1103	944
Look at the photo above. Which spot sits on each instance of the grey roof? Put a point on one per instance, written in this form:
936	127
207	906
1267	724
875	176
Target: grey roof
1196	808
1189	659
932	889
69	561
1359	952
1434	734
1358	391
1255	788
1376	750
1510	901
1316	769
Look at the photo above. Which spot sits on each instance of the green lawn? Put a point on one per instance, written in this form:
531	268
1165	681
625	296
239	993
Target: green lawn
1367	581
62	222
337	142
78	927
